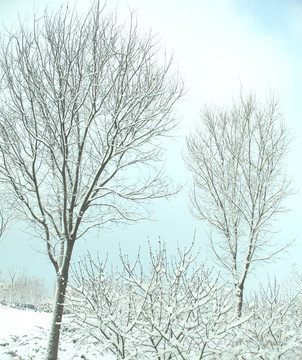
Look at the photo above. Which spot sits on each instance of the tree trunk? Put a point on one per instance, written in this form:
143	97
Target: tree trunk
239	300
56	323
55	327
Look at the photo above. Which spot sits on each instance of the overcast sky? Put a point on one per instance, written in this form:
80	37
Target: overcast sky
219	47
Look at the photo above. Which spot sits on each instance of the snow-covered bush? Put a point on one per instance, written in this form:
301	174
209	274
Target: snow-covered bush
177	310
100	303
274	328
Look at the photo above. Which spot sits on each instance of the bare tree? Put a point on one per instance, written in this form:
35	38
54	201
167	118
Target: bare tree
12	276
84	105
23	290
293	282
239	185
29	291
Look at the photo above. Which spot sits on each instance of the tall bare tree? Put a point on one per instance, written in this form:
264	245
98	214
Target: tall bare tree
239	185
84	104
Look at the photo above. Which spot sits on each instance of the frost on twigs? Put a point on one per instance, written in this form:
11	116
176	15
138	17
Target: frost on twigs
177	310
274	328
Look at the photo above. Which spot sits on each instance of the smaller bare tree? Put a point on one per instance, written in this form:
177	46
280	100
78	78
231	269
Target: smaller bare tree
12	277
239	185
23	290
293	283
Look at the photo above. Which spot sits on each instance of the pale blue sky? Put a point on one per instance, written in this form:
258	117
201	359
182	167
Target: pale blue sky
217	46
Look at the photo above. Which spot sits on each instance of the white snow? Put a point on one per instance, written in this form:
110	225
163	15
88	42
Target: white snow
23	335
19	322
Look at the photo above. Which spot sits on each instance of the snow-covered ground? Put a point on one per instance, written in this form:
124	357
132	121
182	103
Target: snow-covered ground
23	336
19	322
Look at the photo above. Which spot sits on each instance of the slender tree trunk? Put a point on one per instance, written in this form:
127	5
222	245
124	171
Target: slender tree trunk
55	327
56	323
239	300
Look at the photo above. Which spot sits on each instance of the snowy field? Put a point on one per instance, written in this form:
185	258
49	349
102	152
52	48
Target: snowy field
23	336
